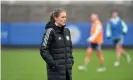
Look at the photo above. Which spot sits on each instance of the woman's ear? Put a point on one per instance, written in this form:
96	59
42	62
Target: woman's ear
55	18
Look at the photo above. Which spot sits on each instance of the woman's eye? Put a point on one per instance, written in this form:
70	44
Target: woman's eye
63	17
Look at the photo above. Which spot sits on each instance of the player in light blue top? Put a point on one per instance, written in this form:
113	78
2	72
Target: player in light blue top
116	29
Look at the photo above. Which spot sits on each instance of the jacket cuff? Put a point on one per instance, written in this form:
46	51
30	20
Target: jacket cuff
51	64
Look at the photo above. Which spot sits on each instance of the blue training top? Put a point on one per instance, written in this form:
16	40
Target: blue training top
116	27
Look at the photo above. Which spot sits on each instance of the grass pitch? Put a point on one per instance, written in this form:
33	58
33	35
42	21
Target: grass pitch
27	64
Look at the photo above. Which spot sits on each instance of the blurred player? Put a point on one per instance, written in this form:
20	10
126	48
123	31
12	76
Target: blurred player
116	29
95	40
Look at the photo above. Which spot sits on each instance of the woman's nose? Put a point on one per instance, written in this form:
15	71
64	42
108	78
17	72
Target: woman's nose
64	19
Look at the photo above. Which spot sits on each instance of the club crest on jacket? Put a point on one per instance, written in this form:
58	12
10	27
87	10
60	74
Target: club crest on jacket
67	37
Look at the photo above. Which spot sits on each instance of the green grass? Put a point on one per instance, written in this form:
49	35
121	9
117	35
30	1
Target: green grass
27	64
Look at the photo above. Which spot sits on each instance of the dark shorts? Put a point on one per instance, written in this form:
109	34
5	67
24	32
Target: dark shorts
95	46
118	41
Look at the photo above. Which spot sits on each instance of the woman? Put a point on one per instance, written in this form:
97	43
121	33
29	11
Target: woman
56	47
116	29
96	41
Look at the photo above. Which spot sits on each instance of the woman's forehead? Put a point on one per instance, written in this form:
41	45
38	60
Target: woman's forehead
63	14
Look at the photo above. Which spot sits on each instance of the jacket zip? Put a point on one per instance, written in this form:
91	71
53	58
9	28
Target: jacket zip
65	49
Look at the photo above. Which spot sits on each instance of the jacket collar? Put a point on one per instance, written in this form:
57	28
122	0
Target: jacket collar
59	29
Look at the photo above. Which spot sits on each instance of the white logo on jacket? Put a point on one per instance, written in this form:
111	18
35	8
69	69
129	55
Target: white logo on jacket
67	37
59	38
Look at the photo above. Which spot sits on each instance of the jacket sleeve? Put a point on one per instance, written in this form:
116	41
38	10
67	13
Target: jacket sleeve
44	49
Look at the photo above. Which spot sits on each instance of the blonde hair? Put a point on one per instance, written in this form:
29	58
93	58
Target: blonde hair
56	13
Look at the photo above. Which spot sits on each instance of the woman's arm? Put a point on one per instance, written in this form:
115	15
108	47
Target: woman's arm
71	47
124	27
44	50
108	30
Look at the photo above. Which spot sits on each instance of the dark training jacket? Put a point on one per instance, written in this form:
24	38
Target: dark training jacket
56	50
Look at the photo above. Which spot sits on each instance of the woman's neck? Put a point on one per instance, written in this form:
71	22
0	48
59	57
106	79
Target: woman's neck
57	24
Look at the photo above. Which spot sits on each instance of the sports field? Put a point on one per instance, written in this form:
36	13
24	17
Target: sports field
27	64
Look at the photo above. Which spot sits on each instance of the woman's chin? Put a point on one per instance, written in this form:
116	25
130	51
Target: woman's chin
63	24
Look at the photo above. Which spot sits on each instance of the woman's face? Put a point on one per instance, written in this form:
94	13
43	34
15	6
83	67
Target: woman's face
61	19
114	14
94	17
